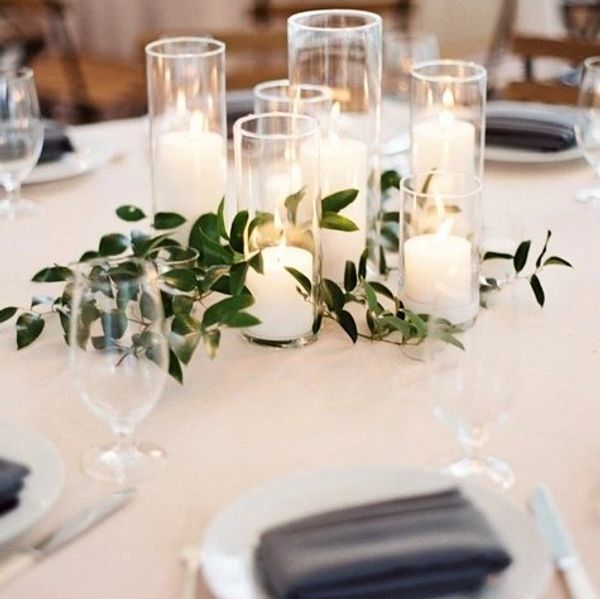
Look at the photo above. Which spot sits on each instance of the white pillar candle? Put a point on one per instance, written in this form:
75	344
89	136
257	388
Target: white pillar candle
191	172
344	164
438	274
284	314
445	144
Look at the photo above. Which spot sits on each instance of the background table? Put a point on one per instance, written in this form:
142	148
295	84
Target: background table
254	413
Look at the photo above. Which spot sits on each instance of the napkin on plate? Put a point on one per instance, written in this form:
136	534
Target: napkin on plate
56	142
530	128
409	548
12	477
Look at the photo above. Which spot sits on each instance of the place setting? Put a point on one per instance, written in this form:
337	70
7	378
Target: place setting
347	202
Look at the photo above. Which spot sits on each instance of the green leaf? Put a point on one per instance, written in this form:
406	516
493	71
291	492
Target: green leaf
182	305
219	311
333	296
89	255
236	235
350	278
212	275
7	313
417	323
167	220
383	269
428	181
130	213
175	367
260	219
537	289
397	324
451	339
497	256
346	321
29	328
114	323
240	320
371	298
184	345
182	279
521	255
362	264
538	262
300	278
337	222
52	274
381	289
237	277
291	204
391	217
389	179
558	261
113	244
139	242
184	324
256	262
221	220
211	251
209	225
211	342
148	307
338	201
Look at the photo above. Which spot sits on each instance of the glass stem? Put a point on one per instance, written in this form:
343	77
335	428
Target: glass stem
13	192
473	443
125	444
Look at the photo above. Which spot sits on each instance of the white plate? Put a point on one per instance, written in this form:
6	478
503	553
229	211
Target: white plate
229	542
90	154
43	484
498	154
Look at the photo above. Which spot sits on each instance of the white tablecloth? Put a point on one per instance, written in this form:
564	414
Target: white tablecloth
254	413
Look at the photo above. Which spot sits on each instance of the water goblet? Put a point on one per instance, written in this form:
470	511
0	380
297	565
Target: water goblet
21	137
473	381
119	359
587	124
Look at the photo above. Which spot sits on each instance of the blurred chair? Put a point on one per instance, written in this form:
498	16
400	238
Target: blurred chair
581	18
551	91
253	54
71	87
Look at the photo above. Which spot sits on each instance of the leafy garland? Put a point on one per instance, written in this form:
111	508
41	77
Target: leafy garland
220	272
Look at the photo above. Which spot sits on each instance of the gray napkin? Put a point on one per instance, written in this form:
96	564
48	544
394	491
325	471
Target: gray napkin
409	548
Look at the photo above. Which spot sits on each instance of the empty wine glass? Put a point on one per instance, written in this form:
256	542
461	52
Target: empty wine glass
473	381
21	137
587	124
119	357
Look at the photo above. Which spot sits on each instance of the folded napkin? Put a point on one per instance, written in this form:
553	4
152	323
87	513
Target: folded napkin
541	130
409	548
12	477
56	142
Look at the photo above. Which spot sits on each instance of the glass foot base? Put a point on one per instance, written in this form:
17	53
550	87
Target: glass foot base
299	342
588	196
490	470
18	209
114	464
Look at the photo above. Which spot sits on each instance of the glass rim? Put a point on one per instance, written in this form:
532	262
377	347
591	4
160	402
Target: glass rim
373	19
410	35
592	62
260	88
239	131
479	72
152	49
17	74
406	188
193	253
79	265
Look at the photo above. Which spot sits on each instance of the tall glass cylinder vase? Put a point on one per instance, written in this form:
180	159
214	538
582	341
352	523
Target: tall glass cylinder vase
282	239
447	109
440	224
188	139
342	50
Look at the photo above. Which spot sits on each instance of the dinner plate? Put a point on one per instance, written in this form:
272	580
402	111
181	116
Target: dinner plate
90	154
229	542
43	484
498	154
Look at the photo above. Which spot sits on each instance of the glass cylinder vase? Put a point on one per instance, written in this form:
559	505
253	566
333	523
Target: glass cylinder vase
440	225
282	239
342	50
188	139
447	113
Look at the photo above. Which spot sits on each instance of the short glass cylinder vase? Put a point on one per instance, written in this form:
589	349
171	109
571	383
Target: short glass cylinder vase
282	238
342	50
440	224
188	135
447	114
280	96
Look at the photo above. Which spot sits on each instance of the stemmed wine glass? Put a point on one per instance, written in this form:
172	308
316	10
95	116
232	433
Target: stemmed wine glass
587	124
119	358
473	381
21	137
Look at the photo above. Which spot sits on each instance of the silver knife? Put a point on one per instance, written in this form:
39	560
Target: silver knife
20	561
564	554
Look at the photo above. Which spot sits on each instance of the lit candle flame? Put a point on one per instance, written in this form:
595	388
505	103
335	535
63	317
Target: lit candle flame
444	231
446	116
